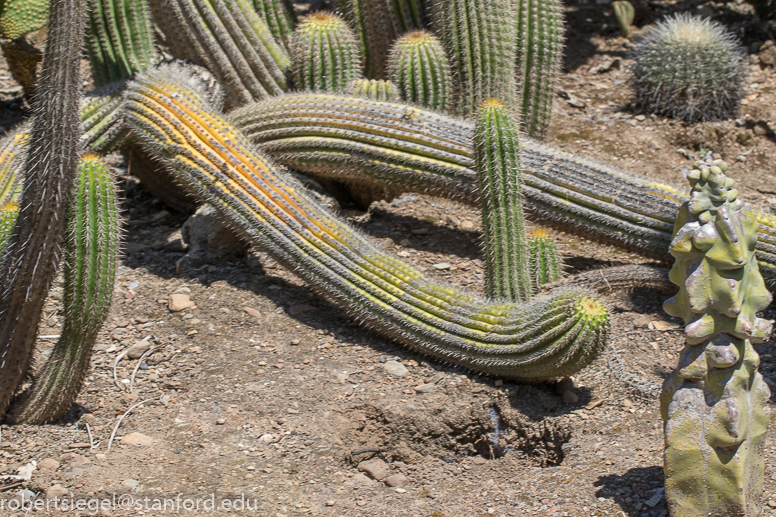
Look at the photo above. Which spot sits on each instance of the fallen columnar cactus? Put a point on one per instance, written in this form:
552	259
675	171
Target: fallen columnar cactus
714	404
416	150
549	337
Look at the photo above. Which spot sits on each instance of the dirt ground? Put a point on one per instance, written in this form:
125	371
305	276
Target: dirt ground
261	399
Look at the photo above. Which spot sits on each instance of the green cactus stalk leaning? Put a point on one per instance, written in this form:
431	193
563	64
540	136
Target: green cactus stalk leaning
120	39
497	158
689	68
625	14
547	338
545	259
539	53
714	404
33	250
280	18
374	89
418	66
230	40
480	39
324	55
91	255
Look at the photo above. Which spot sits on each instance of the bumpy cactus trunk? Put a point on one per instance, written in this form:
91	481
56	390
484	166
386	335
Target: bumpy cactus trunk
418	66
279	17
90	269
713	405
375	29
544	257
34	249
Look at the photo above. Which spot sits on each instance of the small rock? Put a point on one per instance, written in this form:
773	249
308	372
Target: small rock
396	368
396	480
330	502
467	225
768	54
221	421
131	483
48	464
375	469
137	439
400	491
100	456
772	503
569	397
654	500
642	321
56	492
564	385
479	460
179	302
627	403
361	479
252	312
88	418
442	266
424	388
301	309
640	118
594	403
137	350
663	325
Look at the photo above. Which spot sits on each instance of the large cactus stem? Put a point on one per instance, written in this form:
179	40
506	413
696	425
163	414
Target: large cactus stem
90	268
120	39
547	338
539	54
714	404
230	40
280	18
480	39
33	252
418	66
374	26
498	177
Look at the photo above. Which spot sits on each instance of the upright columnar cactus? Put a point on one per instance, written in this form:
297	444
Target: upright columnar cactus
33	251
374	89
408	15
325	55
20	17
539	52
544	257
497	157
91	252
120	39
418	66
625	14
375	32
480	37
546	338
280	18
230	40
689	68
713	405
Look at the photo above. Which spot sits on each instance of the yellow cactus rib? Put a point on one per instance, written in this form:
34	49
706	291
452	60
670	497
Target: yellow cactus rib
549	337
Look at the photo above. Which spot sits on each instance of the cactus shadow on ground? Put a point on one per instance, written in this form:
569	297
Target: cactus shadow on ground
635	484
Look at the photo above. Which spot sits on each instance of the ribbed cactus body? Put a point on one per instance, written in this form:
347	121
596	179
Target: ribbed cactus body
714	405
480	39
91	256
375	30
418	66
120	39
544	257
689	68
497	159
548	337
625	14
280	18
409	15
230	40
373	89
19	17
325	55
101	121
539	52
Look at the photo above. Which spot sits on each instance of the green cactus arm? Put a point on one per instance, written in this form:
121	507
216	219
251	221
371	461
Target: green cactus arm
229	39
549	337
91	254
19	17
546	261
625	14
419	67
120	39
373	89
375	28
280	19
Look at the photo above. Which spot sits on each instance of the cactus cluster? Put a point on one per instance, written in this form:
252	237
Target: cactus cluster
689	68
714	403
418	66
280	18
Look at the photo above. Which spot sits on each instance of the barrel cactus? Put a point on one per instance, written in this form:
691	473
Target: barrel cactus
378	90
418	66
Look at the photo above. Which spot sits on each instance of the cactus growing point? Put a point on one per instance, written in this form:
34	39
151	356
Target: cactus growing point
418	66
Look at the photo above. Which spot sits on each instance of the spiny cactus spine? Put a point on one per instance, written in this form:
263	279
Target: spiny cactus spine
497	159
480	37
689	68
418	66
269	206
539	53
103	130
280	18
714	404
230	40
625	14
545	259
325	54
19	17
375	90
408	15
91	254
120	39
375	31
33	251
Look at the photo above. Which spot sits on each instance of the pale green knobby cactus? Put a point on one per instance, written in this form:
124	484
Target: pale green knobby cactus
625	14
713	404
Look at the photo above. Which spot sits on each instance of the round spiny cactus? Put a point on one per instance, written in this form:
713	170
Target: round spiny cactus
374	89
418	66
689	68
325	54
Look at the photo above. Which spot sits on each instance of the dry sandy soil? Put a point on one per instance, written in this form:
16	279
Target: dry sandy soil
263	394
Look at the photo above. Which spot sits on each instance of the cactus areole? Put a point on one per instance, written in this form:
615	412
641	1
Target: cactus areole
713	404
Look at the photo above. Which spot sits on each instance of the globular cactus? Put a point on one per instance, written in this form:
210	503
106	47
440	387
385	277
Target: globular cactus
565	330
480	37
539	35
375	30
33	250
418	66
373	89
545	259
689	68
325	55
497	159
714	404
230	40
280	18
625	14
20	17
120	39
91	254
